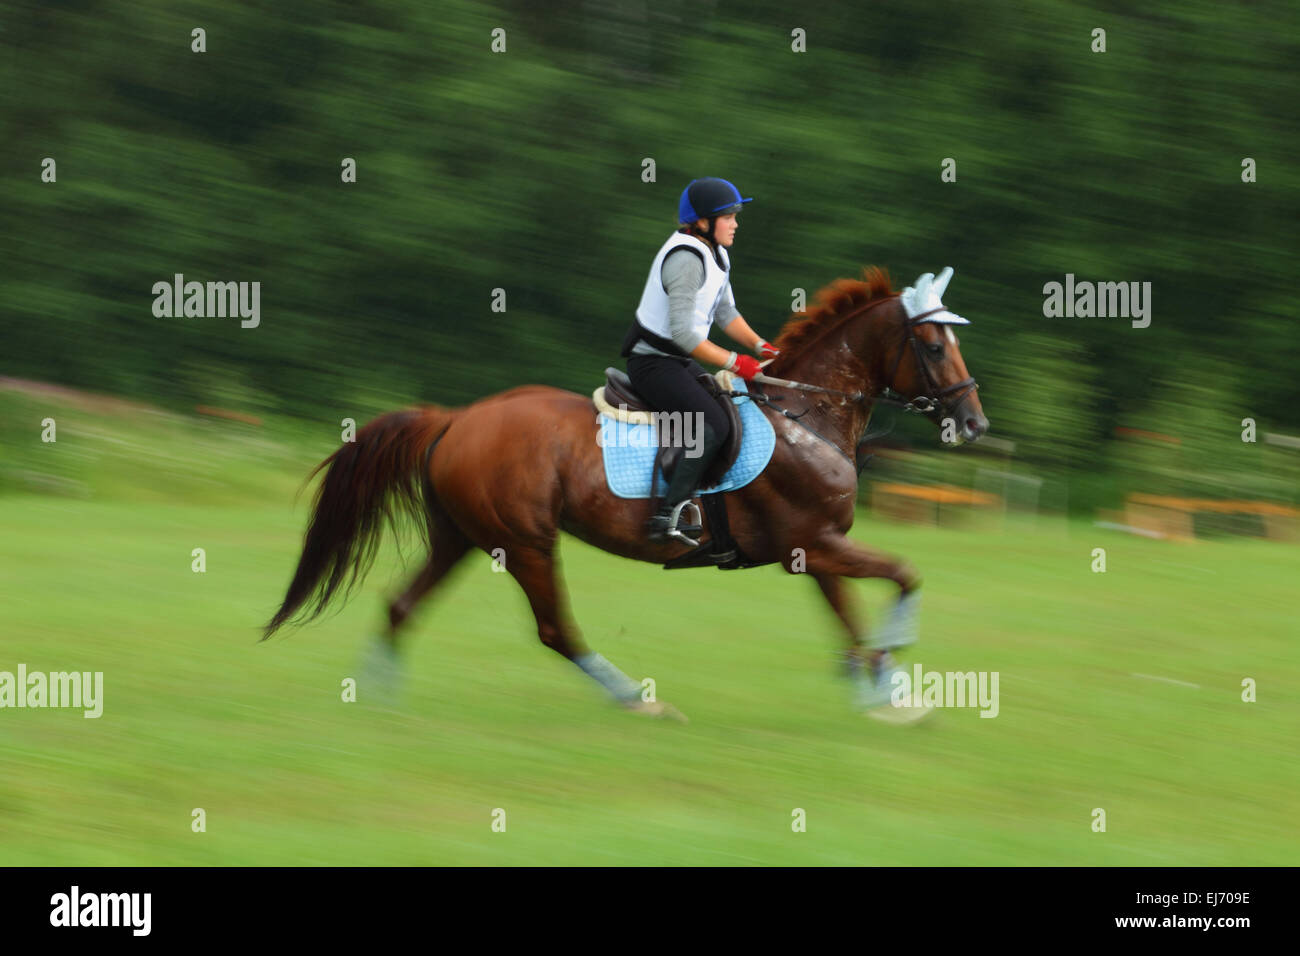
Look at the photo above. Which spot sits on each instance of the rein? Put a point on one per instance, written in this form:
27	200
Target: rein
767	402
934	401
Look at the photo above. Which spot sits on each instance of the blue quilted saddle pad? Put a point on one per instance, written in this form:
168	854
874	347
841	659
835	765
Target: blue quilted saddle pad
630	451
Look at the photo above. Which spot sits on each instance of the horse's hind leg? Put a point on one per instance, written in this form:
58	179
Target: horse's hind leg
535	570
449	546
382	667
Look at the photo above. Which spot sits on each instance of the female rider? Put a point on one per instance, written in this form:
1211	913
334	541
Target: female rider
688	288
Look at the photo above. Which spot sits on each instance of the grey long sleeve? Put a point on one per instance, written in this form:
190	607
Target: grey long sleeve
683	275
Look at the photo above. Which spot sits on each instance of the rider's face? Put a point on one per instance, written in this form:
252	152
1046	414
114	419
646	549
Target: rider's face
724	229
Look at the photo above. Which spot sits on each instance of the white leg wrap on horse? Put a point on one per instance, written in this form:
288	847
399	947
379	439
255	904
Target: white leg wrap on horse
901	628
872	686
610	677
380	653
381	667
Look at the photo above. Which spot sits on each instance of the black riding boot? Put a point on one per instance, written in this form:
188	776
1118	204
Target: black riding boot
686	478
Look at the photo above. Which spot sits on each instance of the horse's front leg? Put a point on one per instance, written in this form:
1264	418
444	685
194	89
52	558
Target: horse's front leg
856	653
870	661
836	555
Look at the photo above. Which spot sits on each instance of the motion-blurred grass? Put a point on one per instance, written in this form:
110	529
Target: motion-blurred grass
198	714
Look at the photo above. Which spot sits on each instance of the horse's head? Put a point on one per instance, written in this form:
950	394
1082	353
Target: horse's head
862	331
925	366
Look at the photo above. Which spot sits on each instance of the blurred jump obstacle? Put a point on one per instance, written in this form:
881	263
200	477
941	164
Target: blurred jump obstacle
913	490
1169	517
1178	504
926	504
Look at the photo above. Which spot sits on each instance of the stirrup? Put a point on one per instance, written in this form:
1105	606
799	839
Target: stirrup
676	516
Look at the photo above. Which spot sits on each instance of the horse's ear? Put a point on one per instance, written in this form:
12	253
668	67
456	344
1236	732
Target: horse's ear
941	283
923	287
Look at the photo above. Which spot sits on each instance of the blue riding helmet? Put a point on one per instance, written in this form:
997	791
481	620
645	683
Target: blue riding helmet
706	198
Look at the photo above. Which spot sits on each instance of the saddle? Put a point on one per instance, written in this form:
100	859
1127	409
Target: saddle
720	550
618	391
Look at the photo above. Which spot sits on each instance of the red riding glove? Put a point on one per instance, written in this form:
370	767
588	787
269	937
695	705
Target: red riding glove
746	366
766	350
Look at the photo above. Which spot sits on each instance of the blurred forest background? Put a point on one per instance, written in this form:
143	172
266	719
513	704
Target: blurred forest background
522	170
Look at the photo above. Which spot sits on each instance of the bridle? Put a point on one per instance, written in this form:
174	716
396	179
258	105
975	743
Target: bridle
935	399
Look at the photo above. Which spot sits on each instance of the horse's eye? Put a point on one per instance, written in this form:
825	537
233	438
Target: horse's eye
936	349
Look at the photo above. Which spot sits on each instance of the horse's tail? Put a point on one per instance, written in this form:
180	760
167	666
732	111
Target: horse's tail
378	476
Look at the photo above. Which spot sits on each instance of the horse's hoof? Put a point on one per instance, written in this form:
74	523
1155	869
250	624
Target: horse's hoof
656	708
909	712
381	675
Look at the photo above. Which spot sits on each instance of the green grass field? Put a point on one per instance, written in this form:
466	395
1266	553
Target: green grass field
198	714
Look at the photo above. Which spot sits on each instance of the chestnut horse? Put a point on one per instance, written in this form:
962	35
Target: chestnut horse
512	470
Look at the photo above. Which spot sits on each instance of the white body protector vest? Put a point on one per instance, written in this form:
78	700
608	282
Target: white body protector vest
652	313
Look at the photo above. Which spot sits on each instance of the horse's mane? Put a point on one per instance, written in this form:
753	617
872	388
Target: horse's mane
832	303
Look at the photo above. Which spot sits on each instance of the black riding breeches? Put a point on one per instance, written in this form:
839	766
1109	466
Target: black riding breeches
671	385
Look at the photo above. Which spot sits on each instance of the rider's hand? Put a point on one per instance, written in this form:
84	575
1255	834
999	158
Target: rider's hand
746	366
765	350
